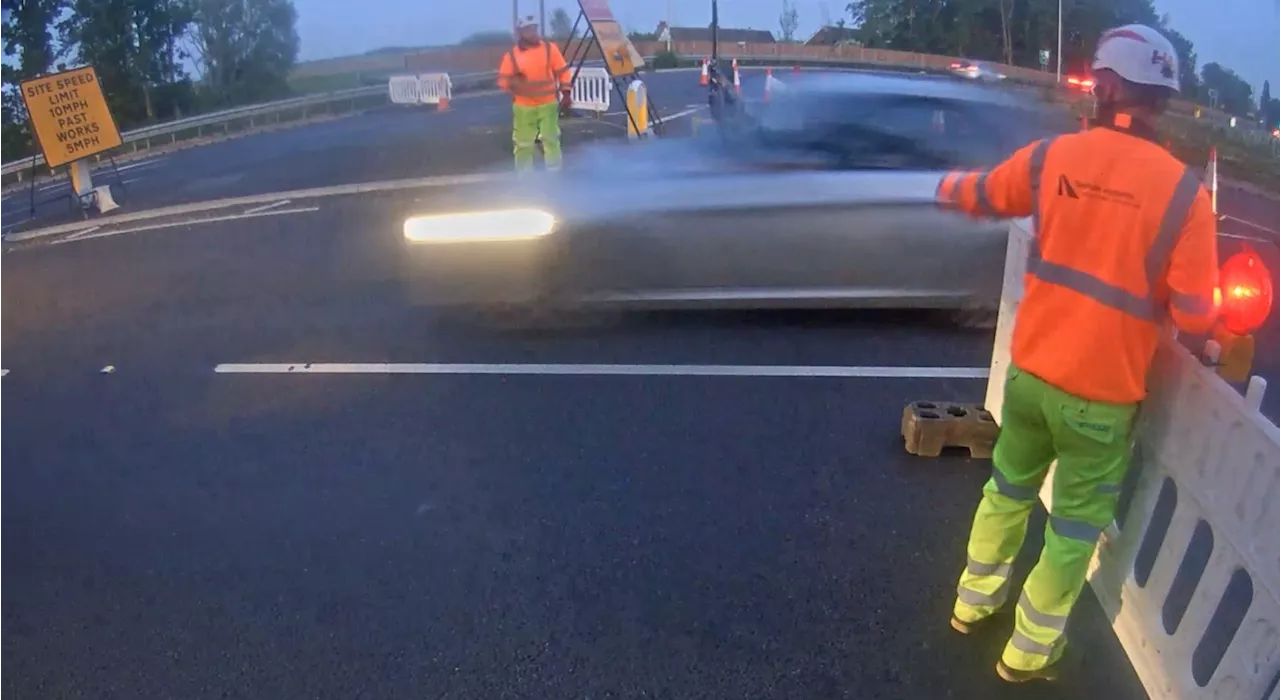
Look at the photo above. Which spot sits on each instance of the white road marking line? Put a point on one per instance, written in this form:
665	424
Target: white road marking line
1250	224
683	113
609	370
85	232
313	193
265	207
3	372
188	222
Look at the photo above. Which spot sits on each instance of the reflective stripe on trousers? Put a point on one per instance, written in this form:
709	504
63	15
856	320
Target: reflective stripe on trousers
1091	442
1145	307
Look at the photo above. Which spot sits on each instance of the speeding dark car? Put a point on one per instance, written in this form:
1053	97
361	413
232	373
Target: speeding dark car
822	198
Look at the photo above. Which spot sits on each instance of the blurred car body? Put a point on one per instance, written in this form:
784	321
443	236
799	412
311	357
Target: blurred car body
976	70
825	198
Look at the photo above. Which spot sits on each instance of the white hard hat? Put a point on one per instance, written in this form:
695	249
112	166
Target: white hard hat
1138	54
526	22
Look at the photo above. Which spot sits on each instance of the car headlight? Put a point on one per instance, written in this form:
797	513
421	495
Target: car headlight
502	225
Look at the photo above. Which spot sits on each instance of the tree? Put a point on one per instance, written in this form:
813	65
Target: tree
561	25
1234	95
28	38
1188	79
245	48
1268	108
788	21
133	45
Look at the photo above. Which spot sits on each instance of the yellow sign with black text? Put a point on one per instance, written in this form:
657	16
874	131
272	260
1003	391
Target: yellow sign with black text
620	56
69	115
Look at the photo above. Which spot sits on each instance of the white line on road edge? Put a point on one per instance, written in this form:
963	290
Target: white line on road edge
187	222
1250	224
3	372
611	370
78	234
265	207
195	207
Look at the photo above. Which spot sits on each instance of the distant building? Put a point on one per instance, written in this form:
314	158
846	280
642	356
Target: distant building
726	36
832	35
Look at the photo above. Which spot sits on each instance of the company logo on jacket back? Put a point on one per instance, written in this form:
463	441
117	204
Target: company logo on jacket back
1076	189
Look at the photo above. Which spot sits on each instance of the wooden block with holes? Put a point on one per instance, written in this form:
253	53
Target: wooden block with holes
930	426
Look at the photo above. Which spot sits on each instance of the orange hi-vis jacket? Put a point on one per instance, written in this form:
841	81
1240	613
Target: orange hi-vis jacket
1125	238
533	75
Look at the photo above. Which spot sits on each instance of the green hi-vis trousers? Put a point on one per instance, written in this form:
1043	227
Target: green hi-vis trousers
1092	442
528	123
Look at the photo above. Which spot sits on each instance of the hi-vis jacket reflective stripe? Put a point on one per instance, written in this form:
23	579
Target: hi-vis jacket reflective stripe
535	74
1125	239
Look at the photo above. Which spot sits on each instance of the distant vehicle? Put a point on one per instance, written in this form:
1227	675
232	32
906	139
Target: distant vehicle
1080	82
825	198
976	70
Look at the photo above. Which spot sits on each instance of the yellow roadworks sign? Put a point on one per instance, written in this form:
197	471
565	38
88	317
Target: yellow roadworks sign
620	55
69	115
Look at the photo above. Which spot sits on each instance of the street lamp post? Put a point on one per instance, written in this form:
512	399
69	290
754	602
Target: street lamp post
1059	40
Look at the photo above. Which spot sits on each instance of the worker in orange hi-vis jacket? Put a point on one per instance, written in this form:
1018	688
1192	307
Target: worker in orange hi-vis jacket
535	73
1124	241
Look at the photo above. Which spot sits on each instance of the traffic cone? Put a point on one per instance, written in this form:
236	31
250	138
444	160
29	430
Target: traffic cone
1211	177
768	82
795	68
737	82
705	79
446	88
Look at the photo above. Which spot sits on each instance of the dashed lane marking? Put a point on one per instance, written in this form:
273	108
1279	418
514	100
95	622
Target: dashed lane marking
839	372
186	222
265	207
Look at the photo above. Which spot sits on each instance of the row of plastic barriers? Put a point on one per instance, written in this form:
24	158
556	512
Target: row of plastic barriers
592	89
1189	573
424	89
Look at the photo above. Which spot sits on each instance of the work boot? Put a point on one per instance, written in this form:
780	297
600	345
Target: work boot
1049	673
967	628
1013	675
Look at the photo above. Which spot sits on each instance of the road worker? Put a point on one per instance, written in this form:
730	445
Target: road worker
1124	242
535	73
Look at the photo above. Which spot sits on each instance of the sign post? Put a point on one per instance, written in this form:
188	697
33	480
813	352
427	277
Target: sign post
71	122
621	59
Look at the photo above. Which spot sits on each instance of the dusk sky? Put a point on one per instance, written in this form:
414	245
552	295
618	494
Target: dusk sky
1241	34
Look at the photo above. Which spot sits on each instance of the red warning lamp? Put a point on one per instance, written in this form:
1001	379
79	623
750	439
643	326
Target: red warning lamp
1246	292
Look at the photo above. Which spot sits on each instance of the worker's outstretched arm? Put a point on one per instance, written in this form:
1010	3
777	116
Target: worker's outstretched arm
1004	191
506	71
1193	269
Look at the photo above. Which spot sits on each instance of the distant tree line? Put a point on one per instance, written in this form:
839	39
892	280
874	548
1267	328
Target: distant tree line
1016	31
157	59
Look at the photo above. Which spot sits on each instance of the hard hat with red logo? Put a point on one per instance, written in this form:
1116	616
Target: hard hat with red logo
1138	54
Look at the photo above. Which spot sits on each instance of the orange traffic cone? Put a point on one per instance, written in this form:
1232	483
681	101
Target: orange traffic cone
737	82
705	79
768	82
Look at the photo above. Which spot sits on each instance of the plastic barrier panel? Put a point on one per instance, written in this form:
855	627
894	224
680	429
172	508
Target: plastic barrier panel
592	89
1190	572
404	90
435	88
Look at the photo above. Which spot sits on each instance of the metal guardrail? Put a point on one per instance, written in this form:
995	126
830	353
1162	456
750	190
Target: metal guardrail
251	112
226	116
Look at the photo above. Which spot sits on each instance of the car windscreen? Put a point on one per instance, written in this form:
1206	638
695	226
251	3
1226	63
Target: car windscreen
865	131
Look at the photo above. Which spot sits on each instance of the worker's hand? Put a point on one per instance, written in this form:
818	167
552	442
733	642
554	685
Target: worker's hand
566	101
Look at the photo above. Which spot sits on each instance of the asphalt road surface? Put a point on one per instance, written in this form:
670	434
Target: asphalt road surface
489	526
172	531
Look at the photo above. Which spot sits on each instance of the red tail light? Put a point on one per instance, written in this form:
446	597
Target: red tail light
1245	292
955	65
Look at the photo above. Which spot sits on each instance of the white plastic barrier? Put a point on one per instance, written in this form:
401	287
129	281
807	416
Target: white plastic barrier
434	88
592	89
404	90
1190	573
424	89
